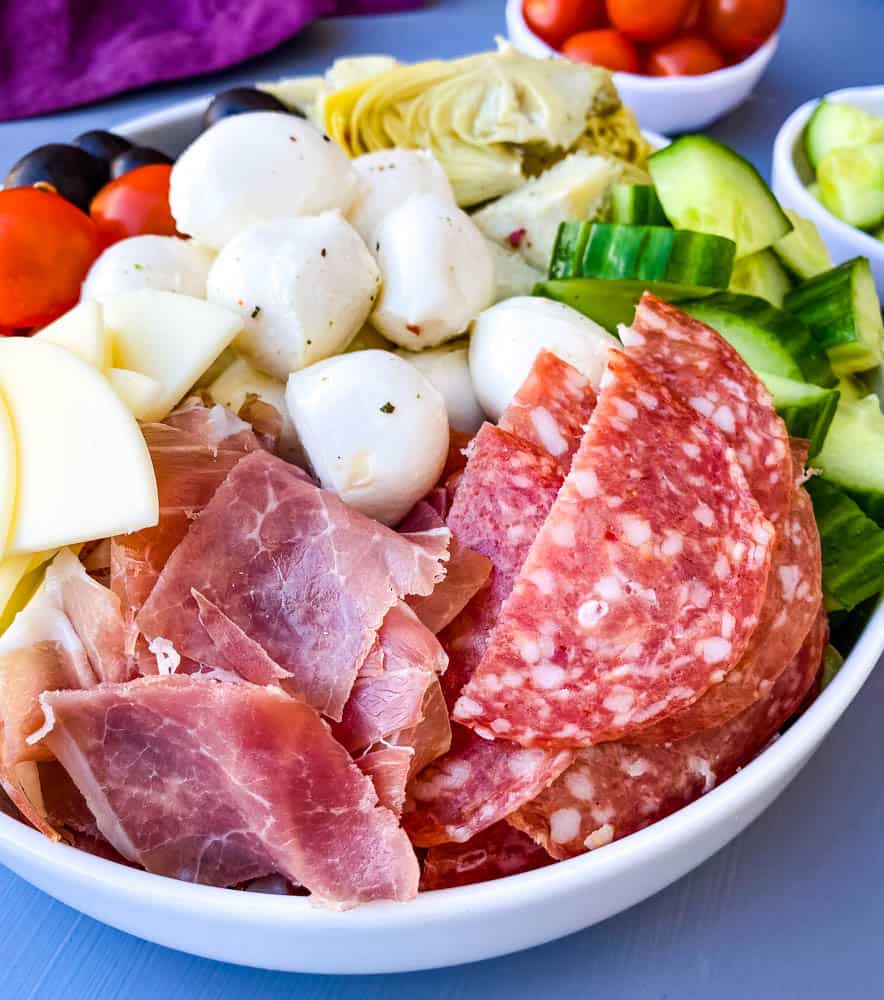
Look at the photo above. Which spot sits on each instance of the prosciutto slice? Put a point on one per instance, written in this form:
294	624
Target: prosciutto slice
281	564
224	783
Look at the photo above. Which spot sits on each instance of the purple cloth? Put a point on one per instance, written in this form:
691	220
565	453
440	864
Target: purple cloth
59	53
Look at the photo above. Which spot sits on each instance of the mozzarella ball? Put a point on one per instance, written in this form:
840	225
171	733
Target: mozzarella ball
374	429
255	167
304	287
163	263
437	272
387	178
508	337
448	369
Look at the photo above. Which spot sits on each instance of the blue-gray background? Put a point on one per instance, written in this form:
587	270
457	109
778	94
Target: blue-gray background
793	908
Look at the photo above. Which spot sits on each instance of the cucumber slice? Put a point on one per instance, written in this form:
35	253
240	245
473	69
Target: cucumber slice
852	184
853	546
568	249
637	205
768	339
842	310
761	274
611	303
835	126
853	455
709	188
802	251
807	410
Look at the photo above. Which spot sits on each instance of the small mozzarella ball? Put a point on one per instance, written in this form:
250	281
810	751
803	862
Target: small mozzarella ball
387	178
254	167
374	430
437	272
507	338
448	369
163	263
304	287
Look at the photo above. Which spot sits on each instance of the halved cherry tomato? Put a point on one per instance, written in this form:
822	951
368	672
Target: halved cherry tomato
556	20
46	247
134	204
605	47
687	55
741	26
648	20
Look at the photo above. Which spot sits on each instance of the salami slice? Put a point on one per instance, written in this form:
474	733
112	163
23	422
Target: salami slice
614	789
643	586
701	366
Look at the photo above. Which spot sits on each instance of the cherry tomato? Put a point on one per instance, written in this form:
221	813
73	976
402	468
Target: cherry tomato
648	20
134	204
604	47
556	20
46	247
741	26
687	55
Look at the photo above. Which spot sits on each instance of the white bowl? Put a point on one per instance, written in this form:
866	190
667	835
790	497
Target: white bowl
666	104
791	172
439	928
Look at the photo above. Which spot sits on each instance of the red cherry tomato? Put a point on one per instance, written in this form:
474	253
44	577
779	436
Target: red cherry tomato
604	47
46	247
687	55
741	26
134	204
556	20
648	20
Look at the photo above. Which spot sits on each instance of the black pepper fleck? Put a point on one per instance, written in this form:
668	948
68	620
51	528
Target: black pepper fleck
323	252
387	408
256	312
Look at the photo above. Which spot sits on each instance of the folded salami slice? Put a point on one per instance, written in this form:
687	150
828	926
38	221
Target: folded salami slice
701	366
643	586
614	789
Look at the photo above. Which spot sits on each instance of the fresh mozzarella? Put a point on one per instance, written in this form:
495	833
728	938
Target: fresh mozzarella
507	338
387	178
8	475
374	430
303	287
448	369
512	276
82	331
164	263
256	167
437	272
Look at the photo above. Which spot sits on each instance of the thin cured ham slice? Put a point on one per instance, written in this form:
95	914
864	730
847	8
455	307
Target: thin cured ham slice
216	426
223	783
615	789
388	768
497	852
698	364
643	586
292	569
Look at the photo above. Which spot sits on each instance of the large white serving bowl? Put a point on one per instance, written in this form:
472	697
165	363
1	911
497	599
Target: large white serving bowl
669	104
439	928
792	173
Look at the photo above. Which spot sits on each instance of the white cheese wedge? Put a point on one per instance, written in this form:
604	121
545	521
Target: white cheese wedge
142	394
8	474
84	471
171	338
81	330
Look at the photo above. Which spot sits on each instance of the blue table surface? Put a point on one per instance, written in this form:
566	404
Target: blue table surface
792	908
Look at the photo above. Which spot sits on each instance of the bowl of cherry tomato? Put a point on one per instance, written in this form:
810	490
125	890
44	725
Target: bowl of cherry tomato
679	64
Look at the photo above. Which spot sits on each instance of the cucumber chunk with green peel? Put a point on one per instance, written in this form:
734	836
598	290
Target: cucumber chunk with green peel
802	252
842	310
567	255
611	303
707	187
853	454
852	544
761	274
637	205
852	184
807	410
834	125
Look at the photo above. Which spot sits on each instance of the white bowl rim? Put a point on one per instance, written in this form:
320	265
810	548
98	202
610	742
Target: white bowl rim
787	139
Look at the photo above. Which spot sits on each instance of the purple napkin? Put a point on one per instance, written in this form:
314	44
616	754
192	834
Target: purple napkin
59	53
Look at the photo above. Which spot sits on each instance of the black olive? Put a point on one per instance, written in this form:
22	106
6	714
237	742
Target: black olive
135	157
240	100
104	145
74	173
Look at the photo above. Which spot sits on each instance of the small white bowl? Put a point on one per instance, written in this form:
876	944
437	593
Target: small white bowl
668	104
792	172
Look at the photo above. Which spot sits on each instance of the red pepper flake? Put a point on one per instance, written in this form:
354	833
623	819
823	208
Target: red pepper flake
610	536
413	328
515	238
